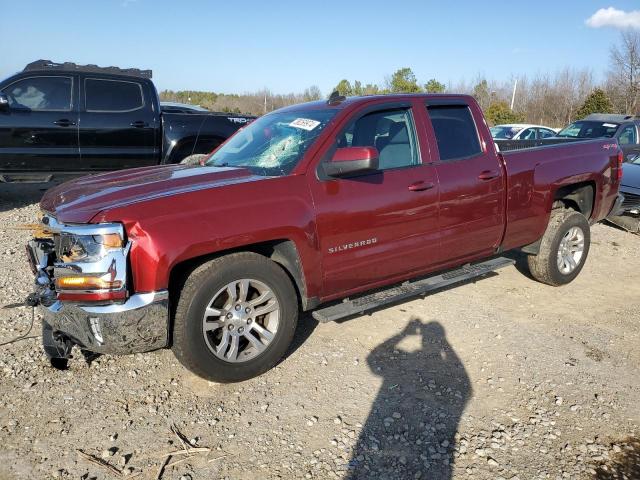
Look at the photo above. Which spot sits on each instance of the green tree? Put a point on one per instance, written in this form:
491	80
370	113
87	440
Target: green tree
499	113
371	89
357	88
344	88
596	102
481	94
403	80
312	93
434	86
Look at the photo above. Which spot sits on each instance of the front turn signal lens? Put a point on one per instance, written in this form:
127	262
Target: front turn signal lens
86	283
111	240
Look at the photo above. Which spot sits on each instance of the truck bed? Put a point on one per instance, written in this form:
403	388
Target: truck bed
531	171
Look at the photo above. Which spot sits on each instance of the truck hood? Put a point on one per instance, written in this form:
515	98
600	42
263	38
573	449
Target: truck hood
78	201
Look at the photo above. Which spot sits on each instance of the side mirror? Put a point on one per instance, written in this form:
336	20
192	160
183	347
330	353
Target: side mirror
4	102
351	160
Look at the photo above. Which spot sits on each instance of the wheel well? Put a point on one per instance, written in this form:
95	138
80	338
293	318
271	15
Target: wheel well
579	197
207	144
191	146
283	252
181	151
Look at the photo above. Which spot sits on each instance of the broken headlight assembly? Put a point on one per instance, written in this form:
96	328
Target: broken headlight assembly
90	262
87	248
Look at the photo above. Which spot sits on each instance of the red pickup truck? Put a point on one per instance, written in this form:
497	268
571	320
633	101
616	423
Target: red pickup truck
307	205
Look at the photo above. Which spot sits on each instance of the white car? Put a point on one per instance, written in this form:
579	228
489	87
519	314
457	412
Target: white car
521	131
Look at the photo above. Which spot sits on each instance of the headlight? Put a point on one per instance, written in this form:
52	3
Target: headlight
90	261
87	248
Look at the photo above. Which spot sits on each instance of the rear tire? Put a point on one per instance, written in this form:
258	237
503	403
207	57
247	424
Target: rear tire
563	250
235	318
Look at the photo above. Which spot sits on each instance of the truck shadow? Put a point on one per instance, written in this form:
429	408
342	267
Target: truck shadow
306	325
411	428
521	262
19	195
623	465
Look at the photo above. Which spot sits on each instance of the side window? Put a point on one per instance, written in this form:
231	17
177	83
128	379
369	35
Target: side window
544	133
391	132
628	135
112	95
40	93
528	134
455	131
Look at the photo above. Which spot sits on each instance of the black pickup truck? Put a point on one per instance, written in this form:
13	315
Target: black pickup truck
62	119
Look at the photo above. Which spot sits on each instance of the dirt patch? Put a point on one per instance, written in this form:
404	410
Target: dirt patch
594	353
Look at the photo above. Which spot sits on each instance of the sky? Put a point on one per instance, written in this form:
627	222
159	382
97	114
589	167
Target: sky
287	46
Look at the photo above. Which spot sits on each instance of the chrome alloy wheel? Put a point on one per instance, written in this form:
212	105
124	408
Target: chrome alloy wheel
241	320
570	250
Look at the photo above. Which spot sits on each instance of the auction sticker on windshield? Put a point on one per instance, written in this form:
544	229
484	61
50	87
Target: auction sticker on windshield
304	123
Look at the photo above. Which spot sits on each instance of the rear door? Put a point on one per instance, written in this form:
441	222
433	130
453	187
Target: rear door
384	224
117	124
39	130
471	182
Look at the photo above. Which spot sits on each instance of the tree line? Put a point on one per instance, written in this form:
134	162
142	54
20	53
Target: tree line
548	99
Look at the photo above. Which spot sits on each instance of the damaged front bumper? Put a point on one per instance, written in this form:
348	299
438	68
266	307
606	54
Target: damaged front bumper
138	325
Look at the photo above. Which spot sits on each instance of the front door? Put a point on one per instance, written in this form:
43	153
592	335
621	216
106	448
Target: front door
117	125
39	130
382	225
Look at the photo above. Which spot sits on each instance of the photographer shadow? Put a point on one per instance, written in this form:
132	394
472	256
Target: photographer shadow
411	428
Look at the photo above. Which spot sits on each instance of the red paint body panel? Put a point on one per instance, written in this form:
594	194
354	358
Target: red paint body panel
351	234
535	175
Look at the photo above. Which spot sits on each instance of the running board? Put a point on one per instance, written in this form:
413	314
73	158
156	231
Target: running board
359	305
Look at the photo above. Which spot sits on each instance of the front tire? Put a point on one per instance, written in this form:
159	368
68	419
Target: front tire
563	250
235	318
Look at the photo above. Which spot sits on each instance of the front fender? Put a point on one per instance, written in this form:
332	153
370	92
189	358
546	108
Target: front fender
170	230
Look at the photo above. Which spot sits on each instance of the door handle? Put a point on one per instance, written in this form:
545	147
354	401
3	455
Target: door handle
420	186
139	124
64	122
488	175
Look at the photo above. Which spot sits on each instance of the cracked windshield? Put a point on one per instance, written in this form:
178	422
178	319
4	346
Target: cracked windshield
273	144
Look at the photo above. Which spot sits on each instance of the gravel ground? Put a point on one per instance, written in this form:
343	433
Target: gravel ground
499	378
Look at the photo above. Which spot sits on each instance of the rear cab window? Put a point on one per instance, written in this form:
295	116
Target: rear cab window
112	95
455	131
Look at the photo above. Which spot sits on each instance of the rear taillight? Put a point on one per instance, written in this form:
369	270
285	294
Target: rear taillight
620	160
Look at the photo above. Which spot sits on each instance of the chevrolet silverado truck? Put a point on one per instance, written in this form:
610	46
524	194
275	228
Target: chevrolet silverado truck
59	120
367	200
